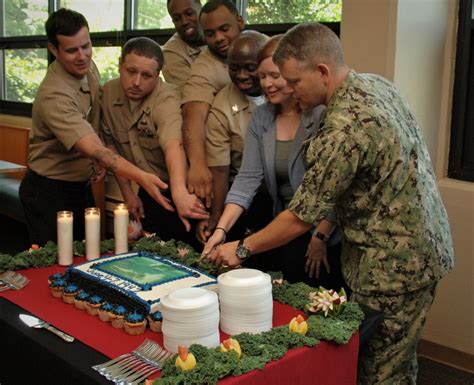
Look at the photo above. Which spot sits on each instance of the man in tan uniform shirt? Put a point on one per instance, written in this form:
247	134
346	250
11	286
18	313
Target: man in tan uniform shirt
227	125
64	145
182	49
221	24
141	120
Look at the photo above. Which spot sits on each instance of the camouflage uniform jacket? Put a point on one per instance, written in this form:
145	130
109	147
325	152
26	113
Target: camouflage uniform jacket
369	163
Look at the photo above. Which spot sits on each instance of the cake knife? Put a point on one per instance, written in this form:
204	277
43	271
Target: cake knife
37	323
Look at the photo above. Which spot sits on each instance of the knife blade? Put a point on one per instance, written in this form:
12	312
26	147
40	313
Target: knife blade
34	322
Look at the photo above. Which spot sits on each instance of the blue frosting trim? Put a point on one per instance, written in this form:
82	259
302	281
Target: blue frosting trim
119	310
131	294
95	299
71	288
135	317
107	306
157	316
82	296
56	276
58	283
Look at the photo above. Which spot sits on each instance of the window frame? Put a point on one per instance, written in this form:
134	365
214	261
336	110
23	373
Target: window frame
462	123
105	39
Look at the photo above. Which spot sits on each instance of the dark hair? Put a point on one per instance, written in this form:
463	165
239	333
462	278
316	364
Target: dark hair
268	48
212	5
196	1
143	46
310	44
64	22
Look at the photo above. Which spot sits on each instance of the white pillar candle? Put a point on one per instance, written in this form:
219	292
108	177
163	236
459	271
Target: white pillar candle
64	222
92	220
121	228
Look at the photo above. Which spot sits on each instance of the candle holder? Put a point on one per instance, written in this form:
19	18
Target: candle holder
92	223
121	228
64	221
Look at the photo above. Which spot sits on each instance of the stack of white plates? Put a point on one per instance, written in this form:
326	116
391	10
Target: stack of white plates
246	303
190	316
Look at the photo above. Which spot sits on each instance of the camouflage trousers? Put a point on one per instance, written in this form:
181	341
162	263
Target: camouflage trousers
389	356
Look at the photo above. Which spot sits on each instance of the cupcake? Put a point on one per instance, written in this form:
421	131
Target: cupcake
105	312
135	324
57	287
55	277
118	317
70	292
80	300
93	304
154	321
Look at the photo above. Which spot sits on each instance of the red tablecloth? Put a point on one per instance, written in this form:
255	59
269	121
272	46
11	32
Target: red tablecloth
327	363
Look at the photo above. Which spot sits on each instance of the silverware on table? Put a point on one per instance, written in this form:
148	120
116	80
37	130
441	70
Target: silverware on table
132	368
12	280
34	322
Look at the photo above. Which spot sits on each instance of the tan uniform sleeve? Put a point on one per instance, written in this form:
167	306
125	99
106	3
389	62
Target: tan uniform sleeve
64	117
201	85
218	139
176	69
167	116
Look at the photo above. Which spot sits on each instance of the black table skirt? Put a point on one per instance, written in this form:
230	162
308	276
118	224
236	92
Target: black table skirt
36	356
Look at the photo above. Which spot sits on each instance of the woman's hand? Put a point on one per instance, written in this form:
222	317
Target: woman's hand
216	239
316	254
224	255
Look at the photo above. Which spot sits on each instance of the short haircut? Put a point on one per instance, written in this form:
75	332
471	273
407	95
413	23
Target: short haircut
268	48
64	22
143	46
212	5
310	44
198	2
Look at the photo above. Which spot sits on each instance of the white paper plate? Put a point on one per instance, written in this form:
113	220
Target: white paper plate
189	298
245	278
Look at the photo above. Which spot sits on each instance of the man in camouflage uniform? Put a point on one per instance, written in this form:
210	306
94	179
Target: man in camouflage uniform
368	163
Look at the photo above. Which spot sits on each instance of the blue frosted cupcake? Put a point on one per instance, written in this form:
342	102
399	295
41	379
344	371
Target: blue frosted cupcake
154	321
70	292
118	318
105	312
93	304
135	324
57	287
80	300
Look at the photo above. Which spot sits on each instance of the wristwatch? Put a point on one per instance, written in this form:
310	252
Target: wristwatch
242	251
321	236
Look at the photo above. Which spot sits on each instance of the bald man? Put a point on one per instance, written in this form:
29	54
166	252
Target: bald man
228	120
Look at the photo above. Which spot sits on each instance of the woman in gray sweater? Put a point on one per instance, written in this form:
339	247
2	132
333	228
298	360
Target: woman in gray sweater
272	155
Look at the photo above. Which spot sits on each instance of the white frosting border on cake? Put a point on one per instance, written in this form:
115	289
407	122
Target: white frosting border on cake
149	298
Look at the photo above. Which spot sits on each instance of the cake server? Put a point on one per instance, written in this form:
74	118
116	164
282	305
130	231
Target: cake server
37	323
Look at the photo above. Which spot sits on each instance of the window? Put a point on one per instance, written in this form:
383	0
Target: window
291	11
461	154
23	45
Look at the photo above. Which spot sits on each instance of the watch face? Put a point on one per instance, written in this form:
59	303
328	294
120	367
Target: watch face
242	252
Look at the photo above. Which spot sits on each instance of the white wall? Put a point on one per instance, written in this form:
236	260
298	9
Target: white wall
412	43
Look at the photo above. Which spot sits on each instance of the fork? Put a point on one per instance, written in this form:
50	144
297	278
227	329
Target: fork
143	374
13	280
101	368
142	361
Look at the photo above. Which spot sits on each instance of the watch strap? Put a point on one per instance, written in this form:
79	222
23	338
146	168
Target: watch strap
321	236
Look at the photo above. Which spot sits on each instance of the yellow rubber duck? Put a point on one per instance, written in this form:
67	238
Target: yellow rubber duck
298	325
185	360
231	344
